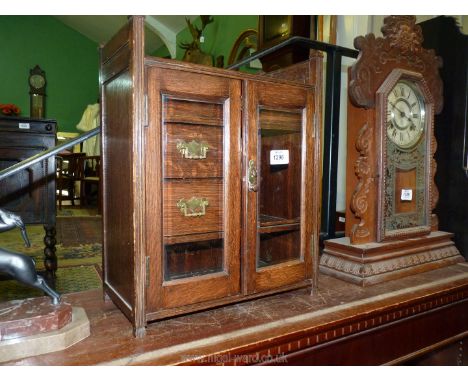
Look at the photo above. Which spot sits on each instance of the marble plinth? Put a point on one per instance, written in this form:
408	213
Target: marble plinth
51	341
21	318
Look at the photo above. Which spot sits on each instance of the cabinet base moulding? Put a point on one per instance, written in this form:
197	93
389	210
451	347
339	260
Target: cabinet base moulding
373	263
166	313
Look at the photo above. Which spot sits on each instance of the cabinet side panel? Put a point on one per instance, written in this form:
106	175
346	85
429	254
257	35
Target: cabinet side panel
122	97
118	203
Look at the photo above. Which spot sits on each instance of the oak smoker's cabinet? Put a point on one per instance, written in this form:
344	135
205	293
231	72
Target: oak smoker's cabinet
210	192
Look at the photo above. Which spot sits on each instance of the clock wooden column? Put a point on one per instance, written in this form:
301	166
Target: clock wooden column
394	91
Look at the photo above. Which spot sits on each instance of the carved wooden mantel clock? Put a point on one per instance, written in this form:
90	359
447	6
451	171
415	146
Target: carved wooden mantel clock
394	91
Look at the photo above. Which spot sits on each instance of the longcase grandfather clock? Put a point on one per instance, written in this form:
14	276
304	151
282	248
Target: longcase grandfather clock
394	92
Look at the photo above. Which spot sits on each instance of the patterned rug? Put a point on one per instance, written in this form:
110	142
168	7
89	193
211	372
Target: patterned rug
79	230
70	211
79	254
72	279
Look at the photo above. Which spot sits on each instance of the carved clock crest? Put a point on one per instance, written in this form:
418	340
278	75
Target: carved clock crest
394	91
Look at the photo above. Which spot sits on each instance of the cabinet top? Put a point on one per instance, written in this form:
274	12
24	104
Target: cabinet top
234	74
25	125
26	119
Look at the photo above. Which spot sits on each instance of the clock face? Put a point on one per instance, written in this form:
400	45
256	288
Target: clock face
405	115
37	81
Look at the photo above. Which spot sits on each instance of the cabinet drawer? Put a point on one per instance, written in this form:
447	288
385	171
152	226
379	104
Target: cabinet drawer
193	151
192	206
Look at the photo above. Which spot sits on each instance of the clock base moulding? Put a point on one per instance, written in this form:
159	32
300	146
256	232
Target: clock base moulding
373	263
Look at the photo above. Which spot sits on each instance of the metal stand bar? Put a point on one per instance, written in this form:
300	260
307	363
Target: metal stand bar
298	41
330	145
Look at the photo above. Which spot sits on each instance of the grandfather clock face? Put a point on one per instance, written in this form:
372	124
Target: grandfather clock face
405	193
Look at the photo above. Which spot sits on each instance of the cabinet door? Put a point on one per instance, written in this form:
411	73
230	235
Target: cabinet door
278	197
193	188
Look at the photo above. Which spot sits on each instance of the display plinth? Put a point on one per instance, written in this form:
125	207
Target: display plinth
22	318
372	263
34	326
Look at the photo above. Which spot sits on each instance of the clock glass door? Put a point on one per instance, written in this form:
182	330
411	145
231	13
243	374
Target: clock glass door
405	194
37	106
276	183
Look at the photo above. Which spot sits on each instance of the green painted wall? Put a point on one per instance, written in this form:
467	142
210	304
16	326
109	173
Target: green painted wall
220	35
70	60
161	52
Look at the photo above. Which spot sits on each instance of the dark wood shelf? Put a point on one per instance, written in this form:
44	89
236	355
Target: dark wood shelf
267	220
169	240
270	224
279	228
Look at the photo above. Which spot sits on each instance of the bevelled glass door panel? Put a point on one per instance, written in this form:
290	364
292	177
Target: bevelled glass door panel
277	223
193	187
198	141
279	190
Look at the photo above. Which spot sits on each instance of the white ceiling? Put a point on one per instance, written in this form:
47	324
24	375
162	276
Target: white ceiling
101	28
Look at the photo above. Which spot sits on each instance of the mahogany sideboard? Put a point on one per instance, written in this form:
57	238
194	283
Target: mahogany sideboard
31	192
417	320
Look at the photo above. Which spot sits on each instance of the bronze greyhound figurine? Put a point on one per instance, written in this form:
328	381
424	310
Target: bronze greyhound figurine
21	267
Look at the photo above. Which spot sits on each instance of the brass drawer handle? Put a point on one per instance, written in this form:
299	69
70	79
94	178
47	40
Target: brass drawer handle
252	176
192	149
193	207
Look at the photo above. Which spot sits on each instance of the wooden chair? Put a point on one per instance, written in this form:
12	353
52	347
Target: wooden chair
68	173
91	167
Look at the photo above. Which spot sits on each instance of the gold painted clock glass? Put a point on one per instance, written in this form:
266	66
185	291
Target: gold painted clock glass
406	165
37	106
37	84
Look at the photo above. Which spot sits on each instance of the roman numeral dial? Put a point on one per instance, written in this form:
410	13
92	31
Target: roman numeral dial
405	115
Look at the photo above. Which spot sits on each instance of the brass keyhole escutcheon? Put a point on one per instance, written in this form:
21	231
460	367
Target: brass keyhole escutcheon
252	176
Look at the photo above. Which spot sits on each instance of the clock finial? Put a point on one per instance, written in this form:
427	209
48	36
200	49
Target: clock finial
400	46
403	33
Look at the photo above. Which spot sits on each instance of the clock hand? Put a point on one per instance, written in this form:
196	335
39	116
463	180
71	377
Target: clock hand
402	113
